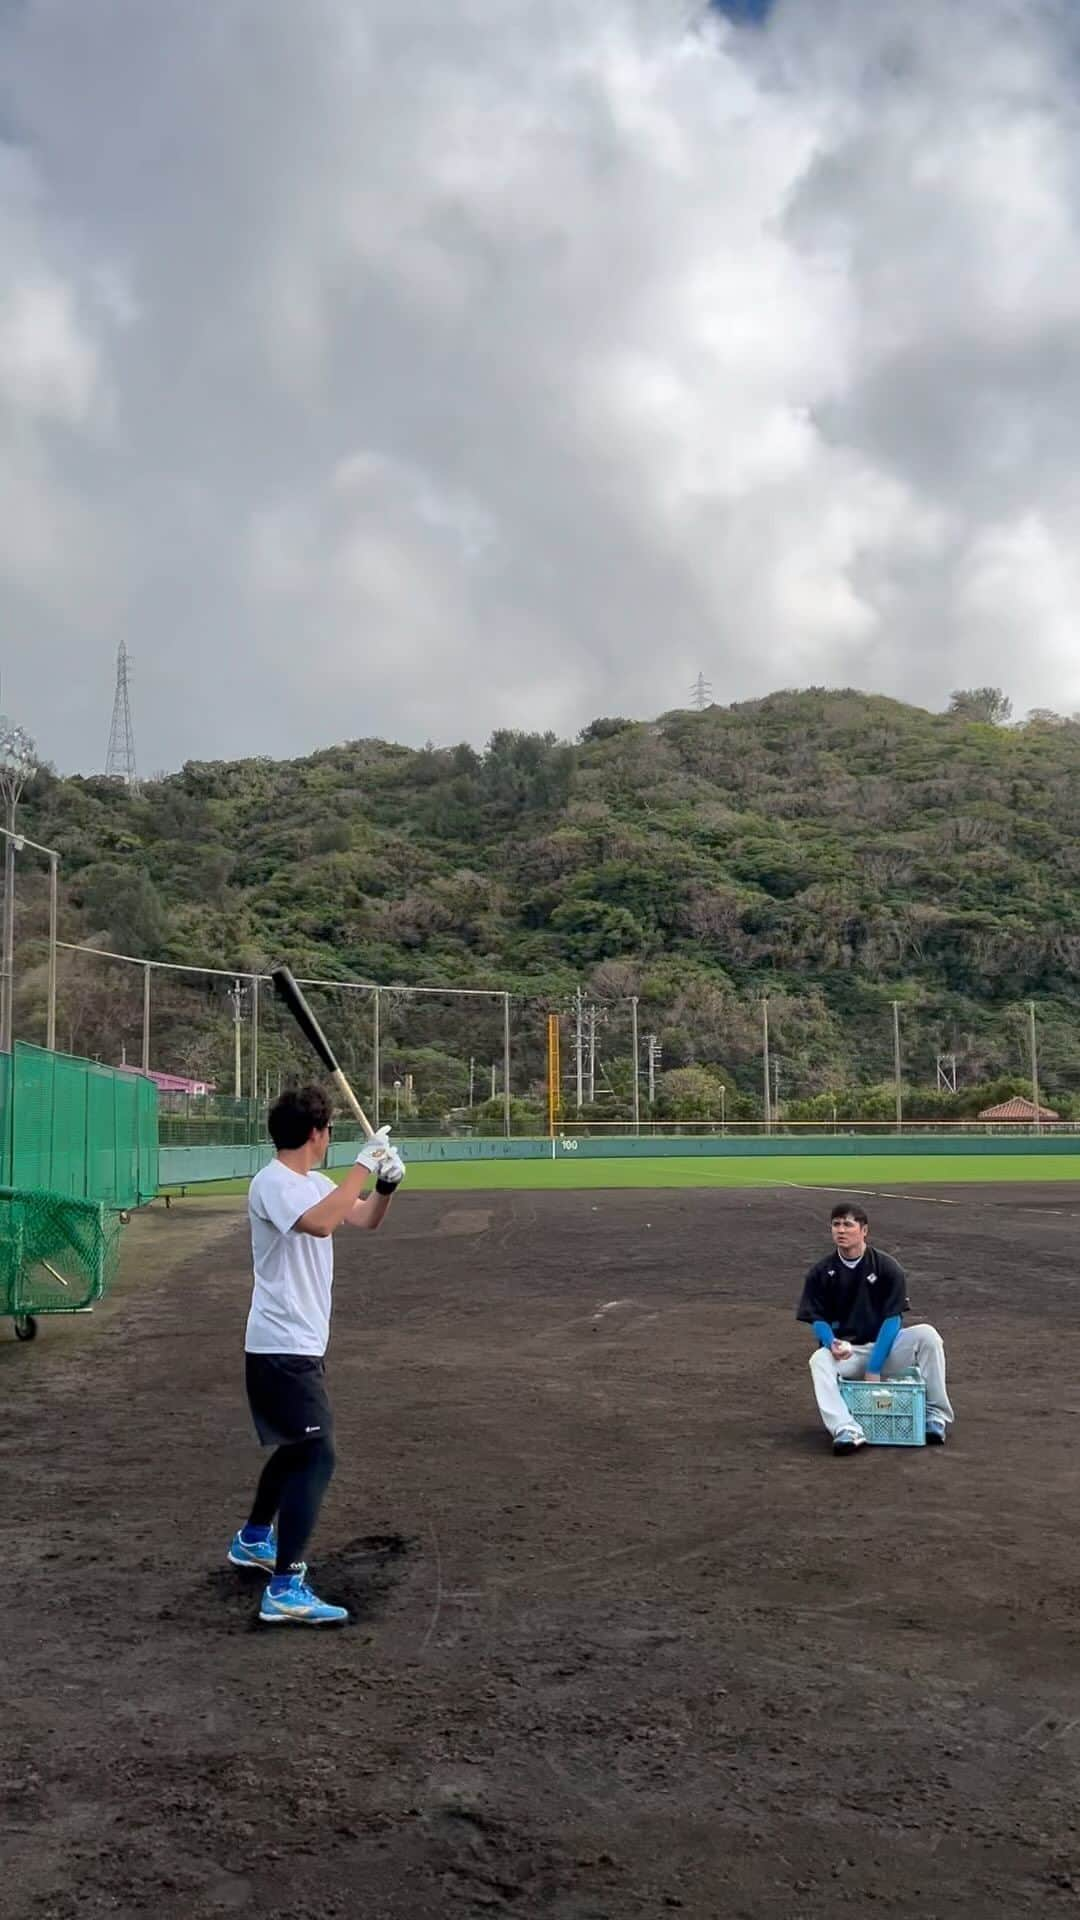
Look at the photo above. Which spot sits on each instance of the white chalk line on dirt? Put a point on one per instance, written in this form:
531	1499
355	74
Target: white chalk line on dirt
499	1580
579	1319
925	1199
873	1193
1054	1733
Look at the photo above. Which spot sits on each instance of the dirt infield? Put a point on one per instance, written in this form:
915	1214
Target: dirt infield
628	1640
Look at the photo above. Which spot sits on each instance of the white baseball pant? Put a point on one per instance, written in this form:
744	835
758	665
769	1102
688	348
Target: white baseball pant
920	1347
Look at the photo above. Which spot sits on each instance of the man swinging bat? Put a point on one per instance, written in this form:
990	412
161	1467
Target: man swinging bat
294	1212
855	1301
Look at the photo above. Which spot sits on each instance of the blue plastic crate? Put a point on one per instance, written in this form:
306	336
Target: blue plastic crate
891	1413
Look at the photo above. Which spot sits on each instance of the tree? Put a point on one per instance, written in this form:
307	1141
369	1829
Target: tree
690	1093
123	902
988	704
594	930
605	729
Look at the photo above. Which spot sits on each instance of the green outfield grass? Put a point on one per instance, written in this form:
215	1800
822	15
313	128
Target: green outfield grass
869	1170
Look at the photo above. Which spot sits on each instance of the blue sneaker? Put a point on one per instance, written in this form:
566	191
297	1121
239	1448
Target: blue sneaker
293	1603
935	1433
260	1554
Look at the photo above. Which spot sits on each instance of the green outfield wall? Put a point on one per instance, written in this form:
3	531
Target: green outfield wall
191	1166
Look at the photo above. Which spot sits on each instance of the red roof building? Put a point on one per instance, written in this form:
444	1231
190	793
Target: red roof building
1021	1110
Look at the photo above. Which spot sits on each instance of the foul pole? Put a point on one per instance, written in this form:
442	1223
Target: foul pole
554	1075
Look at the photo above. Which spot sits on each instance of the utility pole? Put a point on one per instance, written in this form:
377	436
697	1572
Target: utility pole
655	1055
595	1018
946	1073
472	1076
236	995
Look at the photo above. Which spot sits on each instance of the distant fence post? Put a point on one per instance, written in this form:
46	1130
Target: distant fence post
254	1057
376	1065
146	1020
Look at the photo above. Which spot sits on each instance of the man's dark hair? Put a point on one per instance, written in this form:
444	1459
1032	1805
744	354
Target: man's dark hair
296	1114
847	1210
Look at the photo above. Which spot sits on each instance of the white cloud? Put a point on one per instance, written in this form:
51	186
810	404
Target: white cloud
427	369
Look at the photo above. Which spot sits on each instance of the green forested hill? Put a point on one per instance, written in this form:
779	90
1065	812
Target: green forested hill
833	850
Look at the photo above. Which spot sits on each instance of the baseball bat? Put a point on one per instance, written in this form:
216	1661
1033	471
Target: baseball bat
287	990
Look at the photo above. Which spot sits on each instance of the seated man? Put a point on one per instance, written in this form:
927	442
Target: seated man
855	1300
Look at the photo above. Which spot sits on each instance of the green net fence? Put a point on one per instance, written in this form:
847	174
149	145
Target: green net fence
57	1254
76	1128
78	1148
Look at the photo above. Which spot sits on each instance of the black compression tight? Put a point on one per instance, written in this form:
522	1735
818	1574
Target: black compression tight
291	1490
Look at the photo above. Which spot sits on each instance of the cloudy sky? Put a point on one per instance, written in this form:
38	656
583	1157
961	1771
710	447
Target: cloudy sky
419	367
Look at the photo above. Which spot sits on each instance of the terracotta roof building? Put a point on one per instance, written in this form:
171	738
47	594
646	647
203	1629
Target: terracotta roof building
1019	1109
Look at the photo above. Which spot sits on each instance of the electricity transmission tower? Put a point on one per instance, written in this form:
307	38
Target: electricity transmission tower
120	759
701	693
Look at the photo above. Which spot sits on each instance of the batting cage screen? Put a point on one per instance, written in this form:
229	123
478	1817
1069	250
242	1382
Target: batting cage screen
75	1128
57	1254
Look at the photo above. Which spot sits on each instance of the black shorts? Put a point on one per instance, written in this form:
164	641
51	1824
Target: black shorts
288	1398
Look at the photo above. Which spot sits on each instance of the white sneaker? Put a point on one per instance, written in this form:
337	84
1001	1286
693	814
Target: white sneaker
849	1440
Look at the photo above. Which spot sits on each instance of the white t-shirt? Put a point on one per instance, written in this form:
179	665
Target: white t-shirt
294	1272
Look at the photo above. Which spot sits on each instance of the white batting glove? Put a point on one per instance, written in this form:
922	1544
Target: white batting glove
374	1151
392	1168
